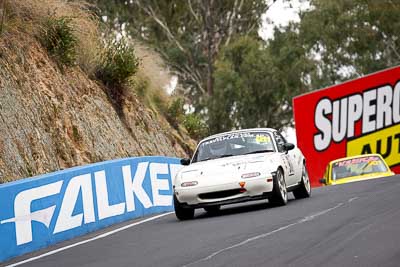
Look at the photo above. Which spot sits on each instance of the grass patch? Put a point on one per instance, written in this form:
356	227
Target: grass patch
118	63
57	36
196	128
74	22
158	102
141	86
152	97
175	113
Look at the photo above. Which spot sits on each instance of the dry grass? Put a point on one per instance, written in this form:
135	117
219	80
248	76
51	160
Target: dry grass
152	78
152	67
27	16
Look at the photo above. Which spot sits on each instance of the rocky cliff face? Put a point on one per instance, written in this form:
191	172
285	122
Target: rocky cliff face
52	119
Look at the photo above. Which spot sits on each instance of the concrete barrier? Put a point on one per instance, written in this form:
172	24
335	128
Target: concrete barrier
40	211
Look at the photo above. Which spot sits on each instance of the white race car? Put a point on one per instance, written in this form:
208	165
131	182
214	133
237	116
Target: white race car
239	166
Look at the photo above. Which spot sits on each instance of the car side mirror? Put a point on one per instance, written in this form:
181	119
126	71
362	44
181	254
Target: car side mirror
185	162
288	146
322	181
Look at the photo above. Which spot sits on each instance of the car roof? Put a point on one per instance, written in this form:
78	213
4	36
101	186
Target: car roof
240	131
355	157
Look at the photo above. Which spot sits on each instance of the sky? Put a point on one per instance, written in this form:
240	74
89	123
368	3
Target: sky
281	13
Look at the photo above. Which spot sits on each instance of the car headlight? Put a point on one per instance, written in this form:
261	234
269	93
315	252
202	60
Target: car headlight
250	175
191	183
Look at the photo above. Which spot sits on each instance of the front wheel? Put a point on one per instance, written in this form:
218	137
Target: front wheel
279	191
182	213
304	190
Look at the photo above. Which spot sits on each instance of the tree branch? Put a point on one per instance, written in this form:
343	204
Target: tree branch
188	71
150	12
192	11
236	9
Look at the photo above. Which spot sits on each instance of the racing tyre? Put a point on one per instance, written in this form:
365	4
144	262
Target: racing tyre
212	209
304	190
182	213
279	191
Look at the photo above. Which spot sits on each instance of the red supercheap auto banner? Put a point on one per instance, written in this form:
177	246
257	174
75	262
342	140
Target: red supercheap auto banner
356	117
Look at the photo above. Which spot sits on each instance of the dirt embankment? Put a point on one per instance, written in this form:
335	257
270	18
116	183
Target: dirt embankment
52	119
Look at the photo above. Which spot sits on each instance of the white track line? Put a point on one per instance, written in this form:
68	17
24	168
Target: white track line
88	240
352	199
305	219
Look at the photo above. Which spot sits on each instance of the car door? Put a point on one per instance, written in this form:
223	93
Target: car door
288	159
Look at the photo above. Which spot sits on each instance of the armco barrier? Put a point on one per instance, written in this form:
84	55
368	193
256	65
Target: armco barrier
44	210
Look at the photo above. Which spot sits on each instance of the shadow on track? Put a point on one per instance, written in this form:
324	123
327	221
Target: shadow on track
236	209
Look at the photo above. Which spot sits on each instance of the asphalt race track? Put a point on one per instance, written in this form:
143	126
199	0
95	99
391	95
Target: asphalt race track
355	224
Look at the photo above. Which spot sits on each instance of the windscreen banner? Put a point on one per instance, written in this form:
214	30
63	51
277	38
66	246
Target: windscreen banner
356	117
40	211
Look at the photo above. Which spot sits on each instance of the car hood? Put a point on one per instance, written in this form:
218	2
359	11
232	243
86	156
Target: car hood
224	169
363	177
234	161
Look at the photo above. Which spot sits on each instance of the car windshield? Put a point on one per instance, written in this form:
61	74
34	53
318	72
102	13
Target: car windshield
234	144
357	166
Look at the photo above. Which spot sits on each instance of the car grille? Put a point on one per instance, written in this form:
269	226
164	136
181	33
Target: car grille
221	194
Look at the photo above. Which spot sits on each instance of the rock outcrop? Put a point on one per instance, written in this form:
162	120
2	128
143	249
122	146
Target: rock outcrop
52	119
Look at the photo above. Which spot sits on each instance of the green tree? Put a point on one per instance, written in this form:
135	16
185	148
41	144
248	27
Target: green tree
255	82
189	34
351	37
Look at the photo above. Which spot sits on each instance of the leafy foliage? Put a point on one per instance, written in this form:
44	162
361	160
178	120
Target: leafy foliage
236	80
352	38
175	112
254	84
58	38
195	126
189	34
118	63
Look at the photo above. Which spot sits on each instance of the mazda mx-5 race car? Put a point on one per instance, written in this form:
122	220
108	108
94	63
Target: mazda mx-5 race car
356	168
239	166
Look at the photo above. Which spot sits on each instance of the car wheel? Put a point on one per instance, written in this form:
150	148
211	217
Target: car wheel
279	190
213	209
182	213
304	190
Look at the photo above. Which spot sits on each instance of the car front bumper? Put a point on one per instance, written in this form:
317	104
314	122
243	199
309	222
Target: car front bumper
223	194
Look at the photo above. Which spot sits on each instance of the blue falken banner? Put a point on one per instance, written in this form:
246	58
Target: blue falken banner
44	210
